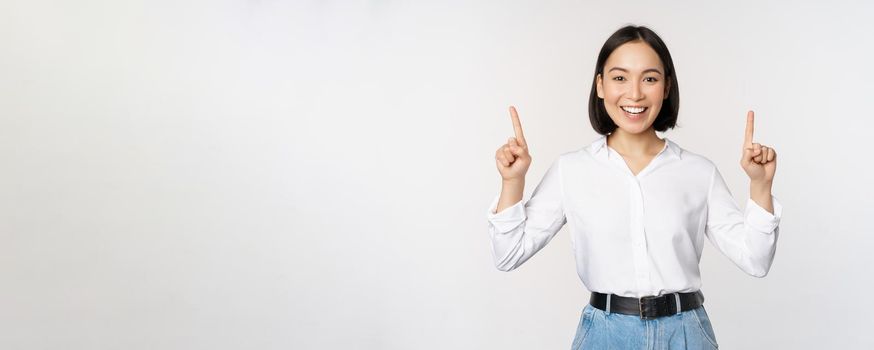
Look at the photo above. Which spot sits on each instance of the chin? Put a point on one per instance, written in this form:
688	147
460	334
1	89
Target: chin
633	129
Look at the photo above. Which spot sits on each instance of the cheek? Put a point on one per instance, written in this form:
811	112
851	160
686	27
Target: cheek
657	90
613	93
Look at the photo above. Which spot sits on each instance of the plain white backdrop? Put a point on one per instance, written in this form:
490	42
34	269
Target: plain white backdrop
316	174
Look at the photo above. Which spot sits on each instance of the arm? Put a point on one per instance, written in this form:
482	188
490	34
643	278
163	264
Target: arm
522	229
749	238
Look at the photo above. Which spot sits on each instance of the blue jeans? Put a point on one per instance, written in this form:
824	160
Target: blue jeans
689	329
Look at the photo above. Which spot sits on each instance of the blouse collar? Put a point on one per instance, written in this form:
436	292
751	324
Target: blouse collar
598	148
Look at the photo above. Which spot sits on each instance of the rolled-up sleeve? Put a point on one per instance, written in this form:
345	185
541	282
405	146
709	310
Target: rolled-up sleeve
749	238
521	230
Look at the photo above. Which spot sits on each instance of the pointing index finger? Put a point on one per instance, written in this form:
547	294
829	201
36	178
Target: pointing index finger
748	138
517	125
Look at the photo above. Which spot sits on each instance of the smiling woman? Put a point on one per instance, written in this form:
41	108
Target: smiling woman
639	73
639	207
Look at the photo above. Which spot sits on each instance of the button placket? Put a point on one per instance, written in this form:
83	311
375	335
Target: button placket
638	236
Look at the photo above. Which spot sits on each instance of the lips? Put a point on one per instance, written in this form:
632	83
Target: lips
634	113
634	110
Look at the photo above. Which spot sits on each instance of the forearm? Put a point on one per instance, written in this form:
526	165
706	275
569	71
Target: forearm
511	193
760	192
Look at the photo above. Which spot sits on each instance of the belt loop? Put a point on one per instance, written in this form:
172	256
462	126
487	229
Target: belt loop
679	306
608	303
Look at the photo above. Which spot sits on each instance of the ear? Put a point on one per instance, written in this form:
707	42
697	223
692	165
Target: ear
599	87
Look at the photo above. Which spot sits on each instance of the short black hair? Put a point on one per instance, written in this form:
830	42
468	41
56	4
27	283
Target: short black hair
667	117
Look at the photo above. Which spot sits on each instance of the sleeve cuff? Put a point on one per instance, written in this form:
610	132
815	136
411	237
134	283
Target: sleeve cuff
760	219
507	219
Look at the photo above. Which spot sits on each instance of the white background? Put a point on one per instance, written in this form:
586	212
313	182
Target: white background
316	174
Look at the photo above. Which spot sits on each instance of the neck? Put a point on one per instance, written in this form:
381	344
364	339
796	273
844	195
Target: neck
641	144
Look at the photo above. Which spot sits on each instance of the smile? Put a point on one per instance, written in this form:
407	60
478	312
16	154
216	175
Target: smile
633	110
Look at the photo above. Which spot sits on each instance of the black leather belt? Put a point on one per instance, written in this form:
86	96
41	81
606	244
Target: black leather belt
649	307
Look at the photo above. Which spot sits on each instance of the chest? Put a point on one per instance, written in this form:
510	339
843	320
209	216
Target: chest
637	164
601	198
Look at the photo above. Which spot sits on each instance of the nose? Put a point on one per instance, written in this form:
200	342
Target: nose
636	93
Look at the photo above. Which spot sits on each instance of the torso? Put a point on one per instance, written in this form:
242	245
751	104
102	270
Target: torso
605	213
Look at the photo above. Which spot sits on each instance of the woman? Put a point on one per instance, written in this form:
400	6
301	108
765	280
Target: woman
639	207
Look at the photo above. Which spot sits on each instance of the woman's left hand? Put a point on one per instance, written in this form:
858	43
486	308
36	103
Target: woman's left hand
759	161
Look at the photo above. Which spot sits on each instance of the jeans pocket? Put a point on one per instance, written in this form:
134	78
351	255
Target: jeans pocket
705	325
586	320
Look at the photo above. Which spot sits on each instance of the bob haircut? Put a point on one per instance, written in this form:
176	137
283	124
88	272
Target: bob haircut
667	117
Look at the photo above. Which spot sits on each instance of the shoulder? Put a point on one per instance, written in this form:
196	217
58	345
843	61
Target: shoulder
586	151
698	161
692	159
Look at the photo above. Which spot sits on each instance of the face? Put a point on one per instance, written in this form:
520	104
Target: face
633	86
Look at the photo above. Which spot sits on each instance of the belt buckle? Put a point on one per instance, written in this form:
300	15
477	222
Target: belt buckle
640	303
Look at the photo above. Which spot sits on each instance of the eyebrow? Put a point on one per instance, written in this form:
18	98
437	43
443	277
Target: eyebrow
626	71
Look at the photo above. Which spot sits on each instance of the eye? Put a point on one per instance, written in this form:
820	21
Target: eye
653	79
619	78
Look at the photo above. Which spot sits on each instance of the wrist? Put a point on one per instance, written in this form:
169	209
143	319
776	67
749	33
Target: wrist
761	186
513	182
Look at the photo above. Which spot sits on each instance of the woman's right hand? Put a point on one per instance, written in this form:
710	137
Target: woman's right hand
513	158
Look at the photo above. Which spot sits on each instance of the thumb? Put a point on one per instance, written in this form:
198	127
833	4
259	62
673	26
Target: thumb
516	150
749	154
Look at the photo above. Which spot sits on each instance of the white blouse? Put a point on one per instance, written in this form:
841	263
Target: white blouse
636	235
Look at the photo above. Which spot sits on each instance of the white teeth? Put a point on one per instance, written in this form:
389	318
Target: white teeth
633	109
